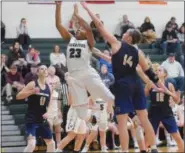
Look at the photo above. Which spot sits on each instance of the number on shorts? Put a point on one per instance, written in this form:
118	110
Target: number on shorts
101	107
75	53
160	97
42	101
127	60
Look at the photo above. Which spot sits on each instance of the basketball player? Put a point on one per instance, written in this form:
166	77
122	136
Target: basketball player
160	111
38	94
98	107
78	64
129	92
54	112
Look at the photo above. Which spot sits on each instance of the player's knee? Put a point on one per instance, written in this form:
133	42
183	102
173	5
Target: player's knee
50	142
31	145
139	133
142	114
103	126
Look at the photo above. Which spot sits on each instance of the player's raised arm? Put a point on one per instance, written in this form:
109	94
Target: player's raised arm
28	90
66	35
105	33
85	25
98	53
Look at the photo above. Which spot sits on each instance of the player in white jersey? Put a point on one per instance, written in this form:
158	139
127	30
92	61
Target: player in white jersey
54	111
78	64
98	107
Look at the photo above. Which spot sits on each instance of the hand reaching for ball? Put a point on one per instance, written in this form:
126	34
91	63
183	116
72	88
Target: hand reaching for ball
84	5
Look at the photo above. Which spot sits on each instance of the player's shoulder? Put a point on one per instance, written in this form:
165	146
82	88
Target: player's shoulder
31	85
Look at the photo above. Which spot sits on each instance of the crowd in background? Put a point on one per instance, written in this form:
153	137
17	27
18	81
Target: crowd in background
19	65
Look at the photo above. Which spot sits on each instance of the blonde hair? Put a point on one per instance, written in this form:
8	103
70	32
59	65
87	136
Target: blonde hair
155	66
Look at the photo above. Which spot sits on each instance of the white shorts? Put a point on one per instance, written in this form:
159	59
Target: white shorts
54	121
74	123
102	121
87	80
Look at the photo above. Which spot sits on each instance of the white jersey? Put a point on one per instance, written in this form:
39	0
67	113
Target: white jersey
78	55
53	109
99	105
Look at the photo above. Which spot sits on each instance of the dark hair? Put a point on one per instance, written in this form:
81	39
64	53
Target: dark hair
136	36
169	25
181	28
54	48
173	18
23	19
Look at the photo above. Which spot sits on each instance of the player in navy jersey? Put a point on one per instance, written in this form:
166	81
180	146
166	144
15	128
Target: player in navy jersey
160	110
38	95
128	89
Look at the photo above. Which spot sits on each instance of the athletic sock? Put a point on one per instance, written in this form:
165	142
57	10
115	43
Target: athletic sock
153	147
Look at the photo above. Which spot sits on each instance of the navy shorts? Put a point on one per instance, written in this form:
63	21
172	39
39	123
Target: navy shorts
38	130
129	96
168	122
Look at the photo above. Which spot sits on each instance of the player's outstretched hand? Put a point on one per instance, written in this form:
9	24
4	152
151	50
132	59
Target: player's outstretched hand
75	9
58	2
84	5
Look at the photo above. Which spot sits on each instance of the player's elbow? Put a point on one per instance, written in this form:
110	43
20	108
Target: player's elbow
19	97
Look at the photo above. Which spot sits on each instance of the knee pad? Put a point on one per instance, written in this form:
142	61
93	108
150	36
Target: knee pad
139	133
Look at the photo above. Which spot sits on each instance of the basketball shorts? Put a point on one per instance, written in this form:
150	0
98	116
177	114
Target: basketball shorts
129	96
168	122
74	123
36	130
102	121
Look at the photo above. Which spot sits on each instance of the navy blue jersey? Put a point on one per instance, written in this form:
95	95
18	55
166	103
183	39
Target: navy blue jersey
160	103
37	105
125	61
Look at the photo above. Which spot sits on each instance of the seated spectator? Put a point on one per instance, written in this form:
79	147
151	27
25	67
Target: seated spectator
15	82
57	57
175	73
170	41
32	75
173	23
16	55
32	57
148	31
124	25
103	62
181	34
95	31
4	71
22	34
106	77
3	30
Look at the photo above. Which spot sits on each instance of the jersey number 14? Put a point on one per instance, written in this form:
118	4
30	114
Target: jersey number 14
127	60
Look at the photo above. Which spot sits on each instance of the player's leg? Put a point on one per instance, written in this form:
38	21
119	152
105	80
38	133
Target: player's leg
139	102
139	134
97	88
46	133
57	130
31	140
103	140
80	135
171	126
123	131
90	138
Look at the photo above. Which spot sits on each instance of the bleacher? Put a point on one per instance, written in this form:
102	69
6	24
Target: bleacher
13	133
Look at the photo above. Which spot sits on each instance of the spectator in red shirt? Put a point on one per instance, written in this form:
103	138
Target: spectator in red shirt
15	82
